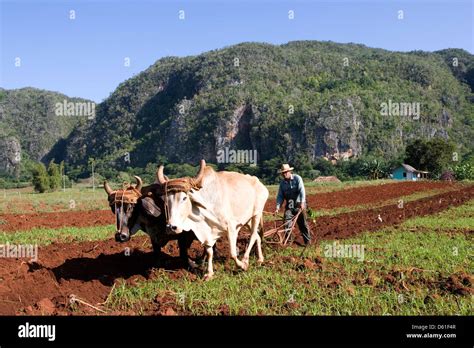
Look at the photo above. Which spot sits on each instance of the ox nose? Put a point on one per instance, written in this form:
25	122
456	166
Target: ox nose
122	237
172	227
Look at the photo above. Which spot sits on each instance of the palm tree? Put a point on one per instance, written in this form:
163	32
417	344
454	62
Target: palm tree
374	168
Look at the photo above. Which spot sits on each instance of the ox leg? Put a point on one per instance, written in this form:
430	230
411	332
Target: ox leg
210	270
254	237
184	242
157	245
232	235
259	239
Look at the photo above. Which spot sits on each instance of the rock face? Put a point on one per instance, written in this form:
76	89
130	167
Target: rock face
236	132
337	128
292	100
29	126
10	155
287	102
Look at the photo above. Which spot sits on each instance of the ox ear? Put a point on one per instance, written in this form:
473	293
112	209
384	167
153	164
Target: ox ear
150	207
196	199
200	210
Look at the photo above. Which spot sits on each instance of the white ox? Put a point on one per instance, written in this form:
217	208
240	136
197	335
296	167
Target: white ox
215	203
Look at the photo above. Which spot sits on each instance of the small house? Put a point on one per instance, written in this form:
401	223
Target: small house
407	172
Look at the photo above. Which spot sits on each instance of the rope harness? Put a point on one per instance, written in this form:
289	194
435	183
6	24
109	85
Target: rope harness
128	194
178	185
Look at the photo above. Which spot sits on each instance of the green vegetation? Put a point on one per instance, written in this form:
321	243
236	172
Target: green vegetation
406	199
404	272
30	129
84	198
464	67
458	218
465	170
54	173
40	178
45	236
292	103
432	155
47	180
77	198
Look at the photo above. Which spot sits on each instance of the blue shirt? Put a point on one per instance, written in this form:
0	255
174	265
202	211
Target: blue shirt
291	190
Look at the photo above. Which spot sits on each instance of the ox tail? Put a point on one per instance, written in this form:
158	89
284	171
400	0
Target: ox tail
261	232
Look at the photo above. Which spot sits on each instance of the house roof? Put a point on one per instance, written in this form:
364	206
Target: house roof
409	168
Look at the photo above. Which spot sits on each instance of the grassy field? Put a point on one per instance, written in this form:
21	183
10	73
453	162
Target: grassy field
26	201
45	236
422	267
19	201
320	187
405	199
405	271
460	218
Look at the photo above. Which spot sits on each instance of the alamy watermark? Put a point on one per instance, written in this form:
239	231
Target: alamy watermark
66	108
337	250
228	155
19	251
400	109
28	330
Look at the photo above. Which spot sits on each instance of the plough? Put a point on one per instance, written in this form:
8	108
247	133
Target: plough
278	234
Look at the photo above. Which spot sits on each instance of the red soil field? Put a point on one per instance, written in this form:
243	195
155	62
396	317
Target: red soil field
25	222
373	194
89	270
329	200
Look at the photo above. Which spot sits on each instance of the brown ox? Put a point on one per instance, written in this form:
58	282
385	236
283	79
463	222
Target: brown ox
140	208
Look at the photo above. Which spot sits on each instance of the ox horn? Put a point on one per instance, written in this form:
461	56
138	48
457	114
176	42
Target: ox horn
107	188
159	175
139	183
200	174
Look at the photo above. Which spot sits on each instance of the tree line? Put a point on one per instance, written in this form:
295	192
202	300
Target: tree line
47	179
436	155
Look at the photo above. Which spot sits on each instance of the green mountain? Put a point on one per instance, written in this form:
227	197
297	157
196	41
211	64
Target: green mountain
300	100
30	125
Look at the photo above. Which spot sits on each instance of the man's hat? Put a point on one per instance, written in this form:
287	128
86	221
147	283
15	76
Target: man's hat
285	168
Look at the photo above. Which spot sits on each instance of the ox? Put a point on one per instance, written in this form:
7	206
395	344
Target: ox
136	208
212	204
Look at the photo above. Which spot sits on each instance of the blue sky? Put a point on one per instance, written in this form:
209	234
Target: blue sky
85	57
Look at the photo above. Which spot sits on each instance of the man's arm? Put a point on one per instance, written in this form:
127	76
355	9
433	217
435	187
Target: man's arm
302	194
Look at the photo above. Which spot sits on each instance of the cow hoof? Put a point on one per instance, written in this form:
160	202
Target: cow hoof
192	264
260	261
208	276
245	265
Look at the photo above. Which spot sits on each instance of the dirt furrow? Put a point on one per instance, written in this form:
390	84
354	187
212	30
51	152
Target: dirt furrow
328	200
89	270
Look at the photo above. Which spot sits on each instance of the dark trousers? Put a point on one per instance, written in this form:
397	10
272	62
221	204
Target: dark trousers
301	221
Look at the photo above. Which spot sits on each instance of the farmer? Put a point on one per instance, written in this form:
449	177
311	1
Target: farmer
292	190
